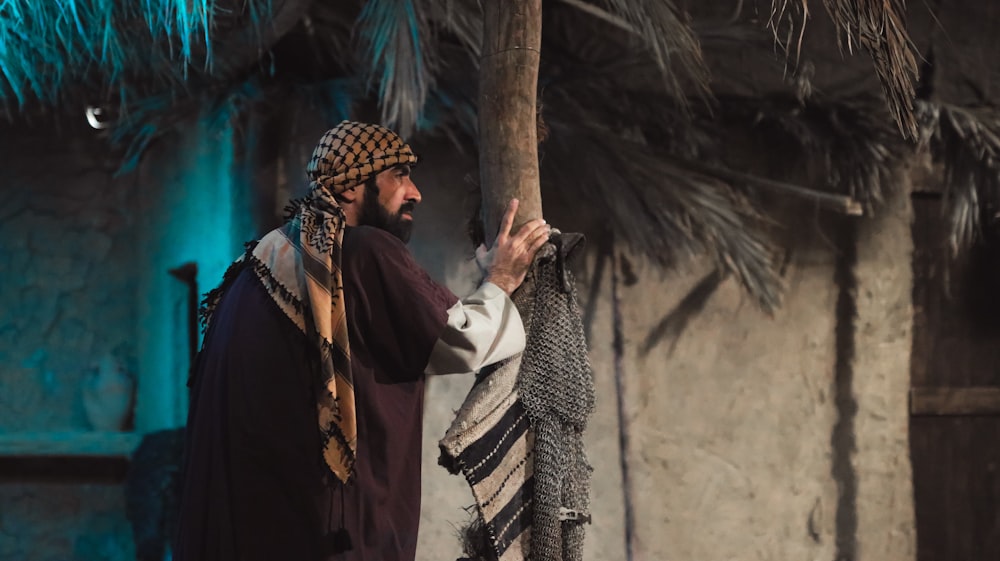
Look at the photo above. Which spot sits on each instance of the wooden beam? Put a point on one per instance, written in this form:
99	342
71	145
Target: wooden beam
508	129
931	401
840	203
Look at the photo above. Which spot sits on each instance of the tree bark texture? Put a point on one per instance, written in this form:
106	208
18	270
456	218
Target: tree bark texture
508	137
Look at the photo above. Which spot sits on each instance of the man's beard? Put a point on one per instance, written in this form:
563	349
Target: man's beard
374	214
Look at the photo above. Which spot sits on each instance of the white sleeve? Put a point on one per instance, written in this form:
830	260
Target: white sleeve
482	328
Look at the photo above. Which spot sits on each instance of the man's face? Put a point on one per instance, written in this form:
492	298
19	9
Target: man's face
390	204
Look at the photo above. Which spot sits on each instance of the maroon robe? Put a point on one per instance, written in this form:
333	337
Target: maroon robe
253	483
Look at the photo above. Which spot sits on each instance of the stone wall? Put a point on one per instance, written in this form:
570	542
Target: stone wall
68	261
69	274
85	257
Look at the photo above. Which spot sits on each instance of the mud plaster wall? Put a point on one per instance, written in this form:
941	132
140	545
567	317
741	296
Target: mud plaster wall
730	429
194	210
784	437
881	382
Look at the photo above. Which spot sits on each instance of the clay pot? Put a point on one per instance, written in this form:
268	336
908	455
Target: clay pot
108	394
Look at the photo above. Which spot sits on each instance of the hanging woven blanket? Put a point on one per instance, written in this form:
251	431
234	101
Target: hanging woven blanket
518	438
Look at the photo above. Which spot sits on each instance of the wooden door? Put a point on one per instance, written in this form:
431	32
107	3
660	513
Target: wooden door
955	394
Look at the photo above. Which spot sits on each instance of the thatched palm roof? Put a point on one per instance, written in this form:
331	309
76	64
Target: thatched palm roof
642	101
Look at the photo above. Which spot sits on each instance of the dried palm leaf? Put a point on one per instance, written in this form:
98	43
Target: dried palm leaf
967	143
829	201
849	141
399	53
663	29
49	51
660	210
879	27
151	117
463	19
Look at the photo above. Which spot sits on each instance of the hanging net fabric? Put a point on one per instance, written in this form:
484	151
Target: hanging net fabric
518	438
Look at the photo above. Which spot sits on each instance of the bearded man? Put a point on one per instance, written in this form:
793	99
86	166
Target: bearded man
305	425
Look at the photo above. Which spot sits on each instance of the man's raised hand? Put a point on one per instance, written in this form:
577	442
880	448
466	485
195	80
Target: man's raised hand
513	255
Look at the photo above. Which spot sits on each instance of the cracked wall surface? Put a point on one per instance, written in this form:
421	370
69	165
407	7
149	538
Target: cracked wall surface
68	297
84	256
69	280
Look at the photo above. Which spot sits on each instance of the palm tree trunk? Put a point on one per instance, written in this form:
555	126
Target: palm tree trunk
508	138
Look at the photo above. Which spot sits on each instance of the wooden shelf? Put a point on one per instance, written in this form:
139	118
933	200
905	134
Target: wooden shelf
87	444
66	457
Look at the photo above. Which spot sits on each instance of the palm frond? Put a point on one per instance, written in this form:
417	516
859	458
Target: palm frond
967	143
328	28
877	26
727	34
661	210
464	20
664	31
451	109
149	118
397	48
146	120
50	51
842	204
848	142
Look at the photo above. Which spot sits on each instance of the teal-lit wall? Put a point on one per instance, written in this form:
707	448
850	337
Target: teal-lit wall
67	273
67	296
84	260
195	212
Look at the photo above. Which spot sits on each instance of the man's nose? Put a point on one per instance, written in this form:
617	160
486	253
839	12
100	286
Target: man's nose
413	194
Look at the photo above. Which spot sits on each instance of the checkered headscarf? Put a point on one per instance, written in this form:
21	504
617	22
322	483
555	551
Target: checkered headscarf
299	265
351	153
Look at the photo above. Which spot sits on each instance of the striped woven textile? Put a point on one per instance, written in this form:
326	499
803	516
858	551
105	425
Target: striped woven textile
491	444
518	438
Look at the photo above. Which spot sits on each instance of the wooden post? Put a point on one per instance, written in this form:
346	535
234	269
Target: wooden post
508	137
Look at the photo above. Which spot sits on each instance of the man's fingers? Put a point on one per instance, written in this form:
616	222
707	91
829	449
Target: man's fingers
541	232
530	230
508	219
538	242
